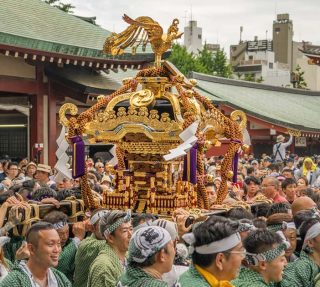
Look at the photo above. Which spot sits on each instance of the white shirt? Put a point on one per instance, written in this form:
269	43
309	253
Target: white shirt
52	280
281	147
3	272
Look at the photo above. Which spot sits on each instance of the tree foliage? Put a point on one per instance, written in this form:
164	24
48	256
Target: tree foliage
299	82
64	7
204	62
221	67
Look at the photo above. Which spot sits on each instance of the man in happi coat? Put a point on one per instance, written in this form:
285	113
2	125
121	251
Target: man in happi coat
59	220
151	254
265	258
44	247
107	268
217	253
305	271
88	250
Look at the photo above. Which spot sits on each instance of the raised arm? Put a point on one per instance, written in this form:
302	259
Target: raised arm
289	142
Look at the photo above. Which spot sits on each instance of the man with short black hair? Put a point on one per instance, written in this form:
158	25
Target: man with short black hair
289	186
107	268
265	256
151	254
287	173
59	220
211	192
12	171
290	163
44	246
252	187
142	218
266	162
217	253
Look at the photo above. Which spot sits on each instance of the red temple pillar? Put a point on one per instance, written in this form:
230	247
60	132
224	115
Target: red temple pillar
52	122
37	115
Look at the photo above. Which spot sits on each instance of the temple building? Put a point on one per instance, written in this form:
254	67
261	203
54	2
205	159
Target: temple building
270	111
48	57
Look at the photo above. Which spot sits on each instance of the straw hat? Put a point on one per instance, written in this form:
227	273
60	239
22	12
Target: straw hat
30	164
280	138
106	178
44	168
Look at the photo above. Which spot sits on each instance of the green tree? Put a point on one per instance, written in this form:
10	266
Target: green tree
298	81
64	7
249	77
184	61
205	59
221	67
204	62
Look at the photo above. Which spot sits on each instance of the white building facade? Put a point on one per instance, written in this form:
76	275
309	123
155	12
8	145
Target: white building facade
259	64
193	37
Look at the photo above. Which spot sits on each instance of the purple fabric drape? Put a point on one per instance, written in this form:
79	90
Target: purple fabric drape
235	167
78	156
235	161
190	165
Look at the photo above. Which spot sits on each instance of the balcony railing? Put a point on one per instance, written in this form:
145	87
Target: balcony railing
253	62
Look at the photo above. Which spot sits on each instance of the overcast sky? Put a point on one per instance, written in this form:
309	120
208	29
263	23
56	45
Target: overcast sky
220	19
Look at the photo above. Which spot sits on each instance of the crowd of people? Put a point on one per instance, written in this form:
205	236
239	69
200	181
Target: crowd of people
276	243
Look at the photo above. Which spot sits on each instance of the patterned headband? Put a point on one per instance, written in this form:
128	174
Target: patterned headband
147	241
275	227
214	247
116	224
254	259
97	216
59	224
246	227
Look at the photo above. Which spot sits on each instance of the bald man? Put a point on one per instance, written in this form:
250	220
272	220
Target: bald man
302	203
271	189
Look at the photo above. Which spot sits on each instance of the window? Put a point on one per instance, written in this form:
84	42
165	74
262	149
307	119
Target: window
251	57
277	30
199	36
270	65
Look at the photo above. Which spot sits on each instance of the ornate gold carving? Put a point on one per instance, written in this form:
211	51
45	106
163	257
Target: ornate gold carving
141	31
62	113
117	100
100	97
118	135
295	133
240	117
108	121
148	147
126	81
142	98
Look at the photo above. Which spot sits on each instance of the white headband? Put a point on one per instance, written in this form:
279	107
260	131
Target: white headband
214	247
4	240
313	232
288	225
97	216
